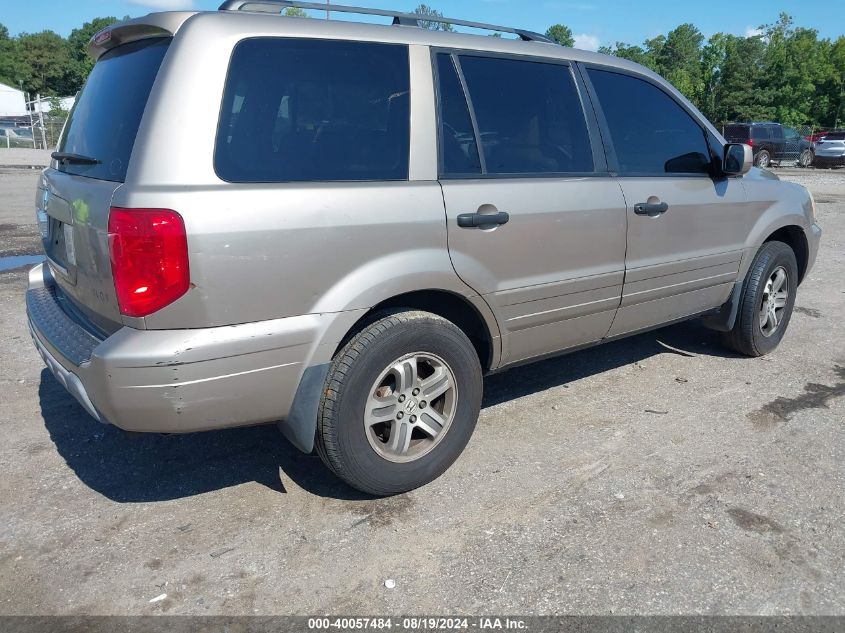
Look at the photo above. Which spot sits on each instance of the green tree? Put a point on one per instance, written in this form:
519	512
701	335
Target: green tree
45	63
713	56
295	12
800	73
424	11
836	90
10	70
678	58
741	93
635	54
80	61
561	34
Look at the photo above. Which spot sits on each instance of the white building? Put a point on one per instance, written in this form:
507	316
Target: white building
12	101
65	103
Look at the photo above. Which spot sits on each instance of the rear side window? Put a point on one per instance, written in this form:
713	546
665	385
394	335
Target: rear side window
315	110
761	132
737	133
835	136
105	120
652	134
529	116
458	148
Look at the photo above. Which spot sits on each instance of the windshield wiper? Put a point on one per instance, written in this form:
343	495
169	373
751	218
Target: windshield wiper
65	157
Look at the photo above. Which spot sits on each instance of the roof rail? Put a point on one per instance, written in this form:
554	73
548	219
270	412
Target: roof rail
404	19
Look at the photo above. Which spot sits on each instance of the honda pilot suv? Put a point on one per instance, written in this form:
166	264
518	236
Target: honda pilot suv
342	227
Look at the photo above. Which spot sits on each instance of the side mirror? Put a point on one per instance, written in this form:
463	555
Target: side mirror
739	159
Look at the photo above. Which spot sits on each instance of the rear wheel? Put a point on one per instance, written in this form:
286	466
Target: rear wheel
806	158
401	402
763	158
768	298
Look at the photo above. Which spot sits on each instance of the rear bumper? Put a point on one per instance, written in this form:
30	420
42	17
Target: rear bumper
828	161
173	381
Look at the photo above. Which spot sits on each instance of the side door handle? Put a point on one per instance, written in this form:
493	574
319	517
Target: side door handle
651	209
475	220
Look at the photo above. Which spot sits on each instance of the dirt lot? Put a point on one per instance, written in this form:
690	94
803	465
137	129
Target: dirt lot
654	475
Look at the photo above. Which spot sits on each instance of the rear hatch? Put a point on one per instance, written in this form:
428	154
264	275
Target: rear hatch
91	162
831	145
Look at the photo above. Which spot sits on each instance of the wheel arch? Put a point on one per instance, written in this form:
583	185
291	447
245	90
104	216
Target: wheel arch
471	315
794	237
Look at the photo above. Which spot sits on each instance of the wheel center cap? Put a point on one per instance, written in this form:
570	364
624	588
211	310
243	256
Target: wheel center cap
411	405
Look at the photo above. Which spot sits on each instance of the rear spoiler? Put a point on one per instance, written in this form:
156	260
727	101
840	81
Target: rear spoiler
153	25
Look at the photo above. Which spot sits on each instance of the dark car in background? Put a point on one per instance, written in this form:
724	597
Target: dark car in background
771	143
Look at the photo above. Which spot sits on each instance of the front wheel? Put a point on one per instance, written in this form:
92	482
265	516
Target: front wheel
401	402
768	298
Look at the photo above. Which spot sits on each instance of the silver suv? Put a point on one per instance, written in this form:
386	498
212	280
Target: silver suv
253	218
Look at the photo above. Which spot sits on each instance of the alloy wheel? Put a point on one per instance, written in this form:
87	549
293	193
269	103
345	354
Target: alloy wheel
410	407
775	298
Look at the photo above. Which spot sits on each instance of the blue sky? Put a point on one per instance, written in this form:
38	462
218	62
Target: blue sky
594	22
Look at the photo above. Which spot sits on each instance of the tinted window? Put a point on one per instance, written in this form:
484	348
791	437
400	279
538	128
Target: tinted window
652	134
834	136
761	132
105	120
315	110
736	133
458	150
529	116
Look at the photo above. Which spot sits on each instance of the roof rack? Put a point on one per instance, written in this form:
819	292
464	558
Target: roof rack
403	19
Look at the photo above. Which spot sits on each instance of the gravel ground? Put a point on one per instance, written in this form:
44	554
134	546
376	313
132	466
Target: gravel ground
655	475
22	157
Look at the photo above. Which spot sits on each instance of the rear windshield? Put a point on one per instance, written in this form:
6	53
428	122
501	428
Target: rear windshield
736	132
315	110
105	120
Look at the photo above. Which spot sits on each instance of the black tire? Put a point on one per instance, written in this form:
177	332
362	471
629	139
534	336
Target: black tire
342	440
763	159
747	335
806	158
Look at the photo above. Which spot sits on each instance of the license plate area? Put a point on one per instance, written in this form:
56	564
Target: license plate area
60	248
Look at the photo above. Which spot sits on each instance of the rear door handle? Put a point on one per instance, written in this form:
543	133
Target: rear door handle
475	220
651	209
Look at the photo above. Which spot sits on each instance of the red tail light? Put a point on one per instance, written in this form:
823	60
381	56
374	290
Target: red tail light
149	259
750	143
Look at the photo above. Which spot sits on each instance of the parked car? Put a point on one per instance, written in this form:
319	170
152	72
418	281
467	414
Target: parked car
830	150
357	222
771	143
15	137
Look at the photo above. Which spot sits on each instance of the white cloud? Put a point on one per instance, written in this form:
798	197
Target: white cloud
587	42
164	5
750	31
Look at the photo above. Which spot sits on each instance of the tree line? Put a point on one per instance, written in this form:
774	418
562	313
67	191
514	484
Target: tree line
782	72
779	73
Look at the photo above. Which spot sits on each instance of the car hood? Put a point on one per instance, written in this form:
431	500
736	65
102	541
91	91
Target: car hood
758	173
